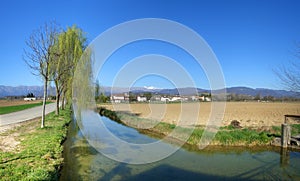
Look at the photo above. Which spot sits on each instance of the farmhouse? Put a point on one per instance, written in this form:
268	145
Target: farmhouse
203	98
155	98
176	98
117	98
29	99
141	99
164	99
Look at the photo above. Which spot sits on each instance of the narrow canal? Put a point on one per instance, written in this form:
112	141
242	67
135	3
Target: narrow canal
83	162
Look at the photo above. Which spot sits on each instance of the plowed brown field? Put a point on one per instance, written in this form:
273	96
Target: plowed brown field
4	103
249	114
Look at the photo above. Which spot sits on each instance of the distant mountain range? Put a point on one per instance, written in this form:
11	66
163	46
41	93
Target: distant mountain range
190	91
24	90
38	91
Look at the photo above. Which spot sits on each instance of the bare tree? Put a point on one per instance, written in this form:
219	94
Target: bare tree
289	74
38	55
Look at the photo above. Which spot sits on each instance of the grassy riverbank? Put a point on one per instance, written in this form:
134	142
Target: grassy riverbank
226	135
37	154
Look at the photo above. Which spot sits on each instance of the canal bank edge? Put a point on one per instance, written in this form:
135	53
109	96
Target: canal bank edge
227	136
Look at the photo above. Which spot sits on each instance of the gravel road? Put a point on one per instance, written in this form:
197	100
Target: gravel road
27	114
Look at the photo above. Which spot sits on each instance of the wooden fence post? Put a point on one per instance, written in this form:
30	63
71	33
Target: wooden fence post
285	135
284	157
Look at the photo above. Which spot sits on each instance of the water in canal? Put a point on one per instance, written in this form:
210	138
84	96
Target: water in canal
83	162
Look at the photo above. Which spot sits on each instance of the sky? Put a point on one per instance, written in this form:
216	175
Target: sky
249	38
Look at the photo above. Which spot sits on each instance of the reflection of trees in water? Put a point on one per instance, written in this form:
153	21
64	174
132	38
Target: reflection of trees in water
77	154
268	168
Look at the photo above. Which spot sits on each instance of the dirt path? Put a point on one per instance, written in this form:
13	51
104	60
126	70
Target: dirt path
9	140
9	137
10	134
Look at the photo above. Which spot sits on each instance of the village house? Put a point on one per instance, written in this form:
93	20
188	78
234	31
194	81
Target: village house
29	99
194	98
205	99
141	99
164	99
118	98
155	98
176	98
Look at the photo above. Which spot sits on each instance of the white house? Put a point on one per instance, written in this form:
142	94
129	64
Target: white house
208	99
117	98
164	99
184	98
29	99
156	98
202	98
141	99
176	98
195	98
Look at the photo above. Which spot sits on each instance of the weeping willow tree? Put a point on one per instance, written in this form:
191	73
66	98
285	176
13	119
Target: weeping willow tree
83	87
69	47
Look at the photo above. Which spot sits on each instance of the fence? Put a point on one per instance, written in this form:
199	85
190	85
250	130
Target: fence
286	131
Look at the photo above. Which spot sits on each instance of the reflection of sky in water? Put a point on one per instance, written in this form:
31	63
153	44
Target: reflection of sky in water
125	133
121	143
183	165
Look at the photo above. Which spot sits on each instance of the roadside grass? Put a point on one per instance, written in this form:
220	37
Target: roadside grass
39	155
10	109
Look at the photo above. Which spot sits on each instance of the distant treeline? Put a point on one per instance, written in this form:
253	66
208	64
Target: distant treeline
241	97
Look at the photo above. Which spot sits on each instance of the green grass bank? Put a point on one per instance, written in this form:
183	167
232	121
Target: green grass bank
39	153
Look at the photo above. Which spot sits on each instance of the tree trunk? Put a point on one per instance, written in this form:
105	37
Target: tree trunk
57	99
44	102
57	105
65	98
63	101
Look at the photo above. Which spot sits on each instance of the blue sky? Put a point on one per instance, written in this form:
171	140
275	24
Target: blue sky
249	38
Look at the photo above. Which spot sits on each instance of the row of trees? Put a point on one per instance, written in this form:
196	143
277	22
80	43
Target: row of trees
258	97
100	97
53	53
30	95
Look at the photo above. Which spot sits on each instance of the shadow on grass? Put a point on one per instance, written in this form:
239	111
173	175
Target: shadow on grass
16	158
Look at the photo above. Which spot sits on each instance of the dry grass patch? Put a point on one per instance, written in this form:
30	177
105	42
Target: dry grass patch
4	103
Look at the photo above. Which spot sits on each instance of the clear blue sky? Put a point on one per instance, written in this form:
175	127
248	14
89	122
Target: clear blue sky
250	38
